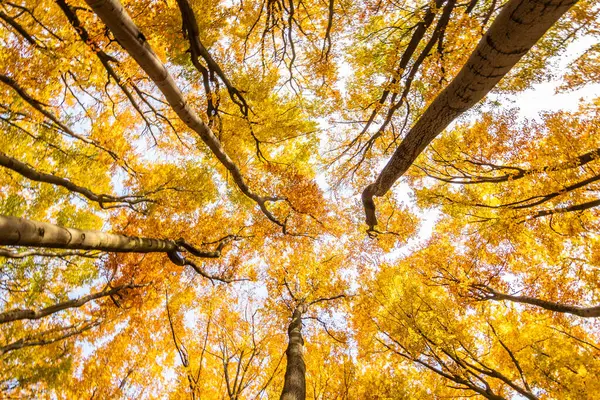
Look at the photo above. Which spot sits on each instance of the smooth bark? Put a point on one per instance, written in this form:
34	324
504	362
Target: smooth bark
128	35
294	386
59	254
520	24
22	232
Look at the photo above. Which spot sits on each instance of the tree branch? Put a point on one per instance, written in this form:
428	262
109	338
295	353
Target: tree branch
520	24
19	314
102	199
484	292
39	106
111	12
39	340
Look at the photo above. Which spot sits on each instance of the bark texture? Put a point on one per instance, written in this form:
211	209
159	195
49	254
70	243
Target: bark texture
22	232
294	386
111	12
520	24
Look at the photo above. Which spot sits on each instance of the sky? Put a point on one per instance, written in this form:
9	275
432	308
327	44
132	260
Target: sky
530	104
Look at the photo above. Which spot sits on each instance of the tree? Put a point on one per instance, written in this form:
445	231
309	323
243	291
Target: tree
179	211
515	30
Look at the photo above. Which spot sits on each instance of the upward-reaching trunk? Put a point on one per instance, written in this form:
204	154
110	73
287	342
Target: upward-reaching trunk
520	24
22	232
111	12
294	386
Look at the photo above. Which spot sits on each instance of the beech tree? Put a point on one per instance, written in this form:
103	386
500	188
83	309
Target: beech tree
185	184
515	30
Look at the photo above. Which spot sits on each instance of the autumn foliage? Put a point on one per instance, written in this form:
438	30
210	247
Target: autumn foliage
216	162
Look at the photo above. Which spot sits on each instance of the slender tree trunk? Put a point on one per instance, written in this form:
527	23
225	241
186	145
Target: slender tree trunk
520	24
22	232
294	386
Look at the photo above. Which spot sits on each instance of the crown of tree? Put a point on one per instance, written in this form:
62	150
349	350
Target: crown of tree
328	199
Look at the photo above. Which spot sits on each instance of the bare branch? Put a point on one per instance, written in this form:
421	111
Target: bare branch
101	199
19	314
39	106
484	292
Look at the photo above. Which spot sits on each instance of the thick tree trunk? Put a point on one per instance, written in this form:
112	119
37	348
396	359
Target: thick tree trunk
520	24
22	232
294	386
128	35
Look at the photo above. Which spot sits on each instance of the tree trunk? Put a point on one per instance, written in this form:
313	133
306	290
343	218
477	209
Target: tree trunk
22	232
294	386
128	35
520	24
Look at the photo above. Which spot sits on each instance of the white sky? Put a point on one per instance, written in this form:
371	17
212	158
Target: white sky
530	104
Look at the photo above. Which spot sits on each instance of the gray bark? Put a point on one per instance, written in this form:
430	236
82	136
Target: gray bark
585	312
111	12
487	293
520	24
34	175
60	254
294	386
22	232
19	314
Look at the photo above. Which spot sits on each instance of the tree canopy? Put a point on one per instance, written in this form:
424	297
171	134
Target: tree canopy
328	199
